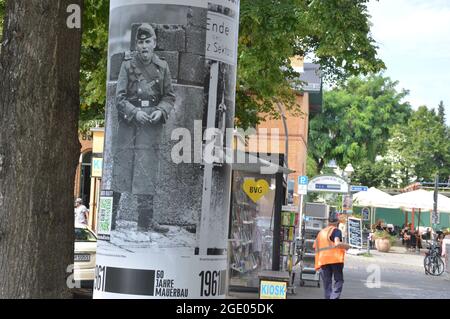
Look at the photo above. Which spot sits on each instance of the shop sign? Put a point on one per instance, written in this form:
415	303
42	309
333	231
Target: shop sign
97	164
272	290
330	184
289	208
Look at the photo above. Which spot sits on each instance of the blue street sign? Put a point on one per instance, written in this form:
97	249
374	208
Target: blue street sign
365	213
328	186
303	180
359	188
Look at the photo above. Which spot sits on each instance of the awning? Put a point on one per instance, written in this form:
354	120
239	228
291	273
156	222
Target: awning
246	162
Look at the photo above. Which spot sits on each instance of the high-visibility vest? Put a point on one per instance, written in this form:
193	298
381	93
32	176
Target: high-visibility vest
326	251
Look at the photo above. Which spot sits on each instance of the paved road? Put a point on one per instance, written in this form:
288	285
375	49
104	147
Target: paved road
401	276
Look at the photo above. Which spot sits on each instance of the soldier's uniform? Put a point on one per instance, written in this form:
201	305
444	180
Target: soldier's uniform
143	87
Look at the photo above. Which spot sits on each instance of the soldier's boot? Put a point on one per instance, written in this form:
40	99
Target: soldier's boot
145	216
144	208
115	209
157	227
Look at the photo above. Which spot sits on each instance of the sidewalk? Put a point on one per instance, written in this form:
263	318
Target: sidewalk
397	256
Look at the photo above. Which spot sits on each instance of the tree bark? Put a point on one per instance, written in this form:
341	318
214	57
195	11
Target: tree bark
39	148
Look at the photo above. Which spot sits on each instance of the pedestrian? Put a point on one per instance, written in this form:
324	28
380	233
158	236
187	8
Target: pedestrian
329	259
81	212
144	99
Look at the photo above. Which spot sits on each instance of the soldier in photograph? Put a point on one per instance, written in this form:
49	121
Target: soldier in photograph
144	99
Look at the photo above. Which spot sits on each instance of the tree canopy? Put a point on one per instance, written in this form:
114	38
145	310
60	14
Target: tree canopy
355	120
421	149
94	52
335	32
2	13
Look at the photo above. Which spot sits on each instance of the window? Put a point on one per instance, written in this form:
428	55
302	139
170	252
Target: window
83	234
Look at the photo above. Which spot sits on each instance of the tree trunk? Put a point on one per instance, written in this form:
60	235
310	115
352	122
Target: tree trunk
39	148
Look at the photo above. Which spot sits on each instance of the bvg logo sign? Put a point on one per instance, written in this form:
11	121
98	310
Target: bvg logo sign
256	190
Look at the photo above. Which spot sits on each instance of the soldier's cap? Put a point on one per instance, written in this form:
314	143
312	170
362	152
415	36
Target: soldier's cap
145	31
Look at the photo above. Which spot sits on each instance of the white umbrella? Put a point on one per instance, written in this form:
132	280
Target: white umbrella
374	198
422	199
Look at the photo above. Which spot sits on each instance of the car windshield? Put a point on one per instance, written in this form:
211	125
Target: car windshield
83	234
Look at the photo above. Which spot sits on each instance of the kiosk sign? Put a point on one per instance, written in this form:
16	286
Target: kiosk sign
272	290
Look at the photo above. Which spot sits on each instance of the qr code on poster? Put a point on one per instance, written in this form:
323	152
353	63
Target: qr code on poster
105	217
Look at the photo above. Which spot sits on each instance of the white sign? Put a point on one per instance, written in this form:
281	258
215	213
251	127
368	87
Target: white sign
289	208
182	276
328	183
435	218
302	187
221	32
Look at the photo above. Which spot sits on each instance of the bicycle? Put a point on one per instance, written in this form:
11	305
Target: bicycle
433	263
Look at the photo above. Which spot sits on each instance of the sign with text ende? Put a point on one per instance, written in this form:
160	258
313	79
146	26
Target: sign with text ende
221	38
354	232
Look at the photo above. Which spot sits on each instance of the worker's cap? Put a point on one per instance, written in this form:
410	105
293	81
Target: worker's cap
333	218
145	31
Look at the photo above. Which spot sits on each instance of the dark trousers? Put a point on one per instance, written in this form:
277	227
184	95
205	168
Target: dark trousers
144	208
327	273
116	201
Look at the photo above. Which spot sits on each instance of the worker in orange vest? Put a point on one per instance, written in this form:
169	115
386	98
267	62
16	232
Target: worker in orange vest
329	259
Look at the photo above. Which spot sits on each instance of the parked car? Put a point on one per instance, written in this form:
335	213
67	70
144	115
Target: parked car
84	255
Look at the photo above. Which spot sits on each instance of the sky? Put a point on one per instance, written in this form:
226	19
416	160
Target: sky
413	37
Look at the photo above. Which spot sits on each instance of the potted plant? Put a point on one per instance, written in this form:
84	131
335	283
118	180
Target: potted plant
383	241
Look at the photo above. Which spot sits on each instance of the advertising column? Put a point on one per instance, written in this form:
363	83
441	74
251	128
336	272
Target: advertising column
165	196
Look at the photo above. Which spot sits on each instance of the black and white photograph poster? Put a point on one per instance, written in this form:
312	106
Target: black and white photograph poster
164	209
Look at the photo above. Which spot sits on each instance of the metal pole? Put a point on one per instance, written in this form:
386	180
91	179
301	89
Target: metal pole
286	138
435	197
277	223
208	170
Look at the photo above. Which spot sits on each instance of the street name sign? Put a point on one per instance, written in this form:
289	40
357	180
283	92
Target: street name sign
355	188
